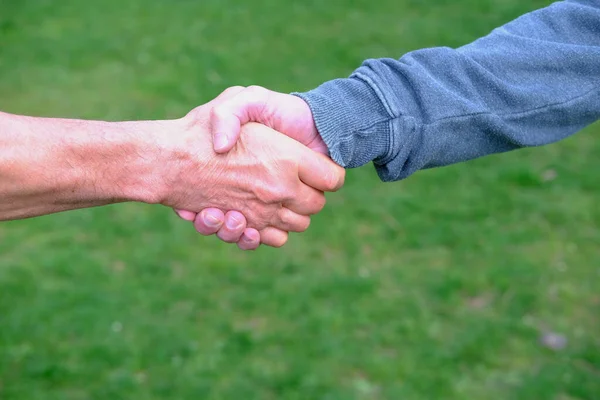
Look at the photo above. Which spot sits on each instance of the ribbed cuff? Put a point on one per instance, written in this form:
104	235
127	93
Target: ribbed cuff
352	121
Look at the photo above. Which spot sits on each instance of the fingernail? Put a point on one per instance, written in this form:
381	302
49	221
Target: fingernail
220	141
211	220
233	223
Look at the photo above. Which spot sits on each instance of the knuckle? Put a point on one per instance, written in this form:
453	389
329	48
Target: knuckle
283	216
218	112
285	194
256	89
271	194
286	217
194	114
233	90
257	219
293	222
263	194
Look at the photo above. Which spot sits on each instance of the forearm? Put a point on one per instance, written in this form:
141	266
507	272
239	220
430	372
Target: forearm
50	165
534	81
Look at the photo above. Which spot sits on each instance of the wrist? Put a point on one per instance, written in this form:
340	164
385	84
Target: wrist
168	153
352	121
112	162
149	161
140	152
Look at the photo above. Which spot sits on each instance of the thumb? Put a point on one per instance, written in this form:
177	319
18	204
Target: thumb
230	114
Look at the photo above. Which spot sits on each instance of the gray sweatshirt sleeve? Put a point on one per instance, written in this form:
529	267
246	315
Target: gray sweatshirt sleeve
533	81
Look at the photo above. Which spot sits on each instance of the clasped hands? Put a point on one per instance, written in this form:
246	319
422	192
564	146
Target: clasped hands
258	184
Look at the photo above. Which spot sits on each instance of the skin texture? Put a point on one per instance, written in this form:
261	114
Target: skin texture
53	165
286	181
285	113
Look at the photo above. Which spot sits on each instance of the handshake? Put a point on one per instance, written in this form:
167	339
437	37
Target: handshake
251	167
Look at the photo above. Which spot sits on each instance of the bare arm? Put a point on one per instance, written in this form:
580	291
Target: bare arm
50	165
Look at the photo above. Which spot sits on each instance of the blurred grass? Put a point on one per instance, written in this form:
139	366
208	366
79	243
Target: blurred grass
436	287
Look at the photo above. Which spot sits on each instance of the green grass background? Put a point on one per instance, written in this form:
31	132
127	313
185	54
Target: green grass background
437	287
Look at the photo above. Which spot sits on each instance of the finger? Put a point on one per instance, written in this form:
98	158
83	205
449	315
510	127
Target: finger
273	237
229	115
233	228
186	215
289	221
307	201
320	172
209	221
250	239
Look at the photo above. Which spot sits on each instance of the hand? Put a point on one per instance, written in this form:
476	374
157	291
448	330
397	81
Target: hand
275	182
237	106
285	113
